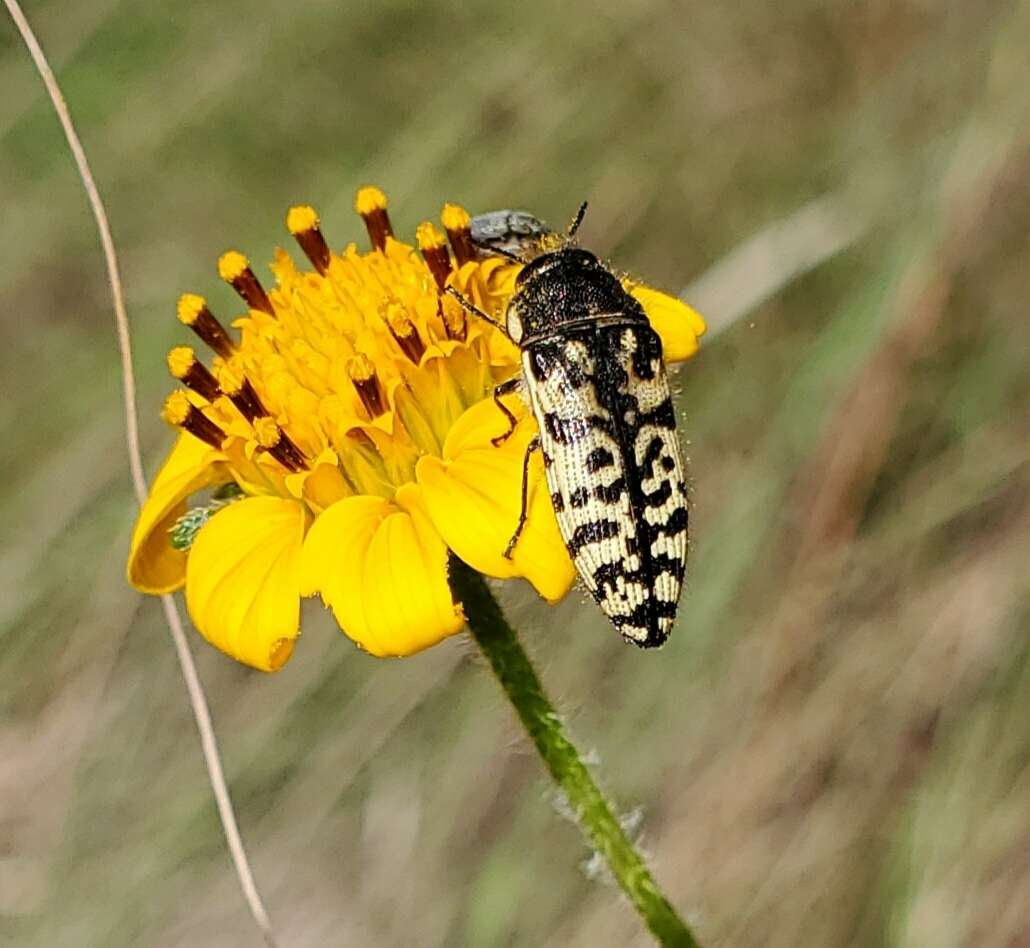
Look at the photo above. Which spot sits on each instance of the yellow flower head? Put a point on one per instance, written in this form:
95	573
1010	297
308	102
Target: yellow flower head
346	431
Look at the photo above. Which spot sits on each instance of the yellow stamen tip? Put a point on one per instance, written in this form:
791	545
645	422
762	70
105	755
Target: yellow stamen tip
231	265
368	200
267	432
429	237
454	321
360	368
177	408
397	317
300	219
230	375
180	361
190	307
455	217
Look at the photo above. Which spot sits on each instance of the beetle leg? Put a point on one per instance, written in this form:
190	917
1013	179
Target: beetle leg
534	445
505	388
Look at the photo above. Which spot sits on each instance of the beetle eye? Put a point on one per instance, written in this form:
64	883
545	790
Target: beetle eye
514	325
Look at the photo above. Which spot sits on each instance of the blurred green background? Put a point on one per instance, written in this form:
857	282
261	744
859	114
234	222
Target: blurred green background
833	749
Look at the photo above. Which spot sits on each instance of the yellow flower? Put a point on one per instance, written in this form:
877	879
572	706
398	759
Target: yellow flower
352	415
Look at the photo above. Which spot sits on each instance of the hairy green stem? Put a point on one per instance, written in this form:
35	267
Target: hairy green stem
520	682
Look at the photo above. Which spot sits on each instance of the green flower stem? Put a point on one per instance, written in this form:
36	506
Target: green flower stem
520	682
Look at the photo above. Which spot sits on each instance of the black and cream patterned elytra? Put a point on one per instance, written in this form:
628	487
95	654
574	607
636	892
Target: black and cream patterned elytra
595	380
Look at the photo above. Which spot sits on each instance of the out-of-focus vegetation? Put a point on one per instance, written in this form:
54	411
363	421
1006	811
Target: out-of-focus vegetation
834	748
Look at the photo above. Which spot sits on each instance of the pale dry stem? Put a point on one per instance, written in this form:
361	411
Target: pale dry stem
194	688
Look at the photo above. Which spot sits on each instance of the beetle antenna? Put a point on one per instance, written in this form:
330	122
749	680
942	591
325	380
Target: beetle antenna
576	221
471	307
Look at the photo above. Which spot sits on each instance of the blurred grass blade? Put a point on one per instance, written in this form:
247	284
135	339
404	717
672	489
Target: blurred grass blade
775	256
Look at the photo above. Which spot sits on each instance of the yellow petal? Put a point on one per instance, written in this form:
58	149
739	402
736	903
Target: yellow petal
154	566
243	580
321	485
474	496
334	540
483	421
676	323
382	569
